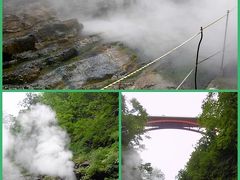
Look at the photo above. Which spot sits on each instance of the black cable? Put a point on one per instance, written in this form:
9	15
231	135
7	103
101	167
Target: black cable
196	68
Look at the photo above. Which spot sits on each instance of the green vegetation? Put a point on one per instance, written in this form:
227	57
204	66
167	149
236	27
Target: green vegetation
134	119
91	121
133	122
215	157
150	173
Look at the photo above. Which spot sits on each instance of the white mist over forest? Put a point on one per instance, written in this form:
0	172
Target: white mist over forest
34	144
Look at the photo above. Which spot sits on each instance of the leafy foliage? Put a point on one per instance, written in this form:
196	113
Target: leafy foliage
31	99
150	173
91	120
215	157
134	120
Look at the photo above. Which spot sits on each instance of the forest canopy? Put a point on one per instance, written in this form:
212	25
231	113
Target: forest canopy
215	156
91	121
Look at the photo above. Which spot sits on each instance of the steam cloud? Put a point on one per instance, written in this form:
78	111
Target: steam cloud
131	164
152	27
39	146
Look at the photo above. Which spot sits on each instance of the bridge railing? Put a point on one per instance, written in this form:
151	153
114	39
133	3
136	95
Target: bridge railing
172	122
165	122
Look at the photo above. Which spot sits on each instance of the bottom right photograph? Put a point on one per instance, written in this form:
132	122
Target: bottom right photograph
179	135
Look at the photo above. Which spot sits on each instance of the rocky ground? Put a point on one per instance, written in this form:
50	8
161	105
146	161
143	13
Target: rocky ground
42	52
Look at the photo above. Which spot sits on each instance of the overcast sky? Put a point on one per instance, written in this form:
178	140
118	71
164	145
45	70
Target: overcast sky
169	150
11	102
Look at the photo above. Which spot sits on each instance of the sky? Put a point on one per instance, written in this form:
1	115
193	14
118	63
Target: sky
11	102
169	150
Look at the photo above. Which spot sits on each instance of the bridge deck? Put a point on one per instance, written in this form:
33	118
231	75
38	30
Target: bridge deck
172	122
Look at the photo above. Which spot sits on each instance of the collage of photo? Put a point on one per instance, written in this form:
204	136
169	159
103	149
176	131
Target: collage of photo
119	90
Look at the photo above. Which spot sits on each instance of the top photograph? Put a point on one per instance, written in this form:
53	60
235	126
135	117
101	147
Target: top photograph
120	44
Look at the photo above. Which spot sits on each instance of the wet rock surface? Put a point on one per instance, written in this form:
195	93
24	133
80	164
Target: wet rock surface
41	51
222	83
18	45
152	80
75	75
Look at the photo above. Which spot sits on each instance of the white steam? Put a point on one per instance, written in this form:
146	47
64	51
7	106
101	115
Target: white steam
131	167
10	170
153	27
39	146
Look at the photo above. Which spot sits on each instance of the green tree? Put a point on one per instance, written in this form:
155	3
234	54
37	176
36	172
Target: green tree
215	157
31	99
91	120
150	173
134	119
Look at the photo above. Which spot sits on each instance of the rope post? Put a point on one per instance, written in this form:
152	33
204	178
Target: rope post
120	85
224	44
196	67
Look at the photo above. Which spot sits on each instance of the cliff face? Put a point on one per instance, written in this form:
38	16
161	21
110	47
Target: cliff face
41	51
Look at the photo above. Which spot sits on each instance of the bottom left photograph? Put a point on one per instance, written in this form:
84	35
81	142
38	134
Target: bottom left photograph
51	136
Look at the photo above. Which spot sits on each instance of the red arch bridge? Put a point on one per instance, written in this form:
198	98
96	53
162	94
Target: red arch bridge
165	122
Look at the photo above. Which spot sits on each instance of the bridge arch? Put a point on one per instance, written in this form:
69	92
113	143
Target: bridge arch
167	122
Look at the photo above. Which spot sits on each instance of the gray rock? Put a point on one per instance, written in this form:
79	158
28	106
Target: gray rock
18	45
76	74
69	28
29	72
